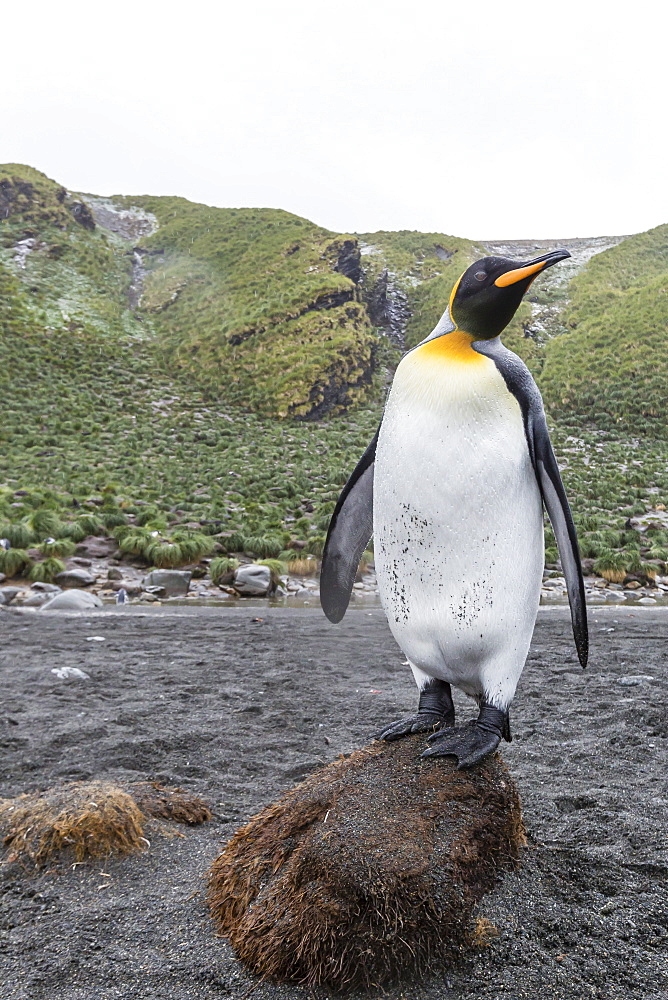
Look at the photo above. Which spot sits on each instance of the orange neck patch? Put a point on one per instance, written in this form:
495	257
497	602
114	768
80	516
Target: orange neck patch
455	346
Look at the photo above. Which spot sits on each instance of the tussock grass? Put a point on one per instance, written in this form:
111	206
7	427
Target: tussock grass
89	819
276	569
163	802
222	569
60	548
612	364
18	534
300	566
14	562
47	570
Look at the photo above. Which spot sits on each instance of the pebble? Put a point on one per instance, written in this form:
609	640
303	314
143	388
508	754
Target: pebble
647	600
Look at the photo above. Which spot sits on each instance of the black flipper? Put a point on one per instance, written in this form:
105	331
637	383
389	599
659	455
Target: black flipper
349	532
520	382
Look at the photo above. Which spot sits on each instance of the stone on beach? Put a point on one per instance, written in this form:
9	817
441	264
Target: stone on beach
75	578
72	600
252	580
171	582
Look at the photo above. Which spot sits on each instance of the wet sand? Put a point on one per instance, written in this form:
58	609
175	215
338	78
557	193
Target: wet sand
239	710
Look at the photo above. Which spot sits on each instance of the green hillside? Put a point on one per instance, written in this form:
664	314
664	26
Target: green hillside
149	346
613	366
253	304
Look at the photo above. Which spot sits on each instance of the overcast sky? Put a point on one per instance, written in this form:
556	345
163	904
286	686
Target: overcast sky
476	118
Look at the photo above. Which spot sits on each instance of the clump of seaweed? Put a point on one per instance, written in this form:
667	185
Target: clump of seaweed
173	804
90	819
367	872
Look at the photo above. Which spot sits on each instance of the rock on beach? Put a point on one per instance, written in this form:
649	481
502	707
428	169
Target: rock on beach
72	600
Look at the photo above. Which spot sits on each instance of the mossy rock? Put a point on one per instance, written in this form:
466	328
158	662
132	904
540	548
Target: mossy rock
369	870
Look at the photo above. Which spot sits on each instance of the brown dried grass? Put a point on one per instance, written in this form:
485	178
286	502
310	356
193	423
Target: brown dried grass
89	819
368	871
303	567
170	803
614	575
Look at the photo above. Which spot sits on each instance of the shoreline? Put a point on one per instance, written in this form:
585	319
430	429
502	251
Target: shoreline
238	706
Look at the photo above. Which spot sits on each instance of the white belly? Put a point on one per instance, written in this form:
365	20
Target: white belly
458	525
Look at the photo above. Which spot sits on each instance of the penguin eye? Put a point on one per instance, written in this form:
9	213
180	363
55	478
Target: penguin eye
480	275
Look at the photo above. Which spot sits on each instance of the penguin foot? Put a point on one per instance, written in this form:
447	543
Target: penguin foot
435	710
474	741
425	722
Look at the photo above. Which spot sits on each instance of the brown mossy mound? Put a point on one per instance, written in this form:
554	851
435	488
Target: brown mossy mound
90	819
170	803
369	870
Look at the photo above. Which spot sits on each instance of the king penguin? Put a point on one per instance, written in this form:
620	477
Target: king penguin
452	488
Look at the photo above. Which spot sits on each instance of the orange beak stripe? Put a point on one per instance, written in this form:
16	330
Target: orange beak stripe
510	277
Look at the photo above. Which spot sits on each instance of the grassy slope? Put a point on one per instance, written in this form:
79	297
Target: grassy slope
247	301
613	366
93	398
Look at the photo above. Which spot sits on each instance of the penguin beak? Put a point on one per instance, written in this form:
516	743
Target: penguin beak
531	268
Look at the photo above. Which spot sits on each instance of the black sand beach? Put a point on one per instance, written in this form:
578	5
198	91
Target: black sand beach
239	704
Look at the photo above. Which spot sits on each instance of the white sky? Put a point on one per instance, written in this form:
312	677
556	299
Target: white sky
476	118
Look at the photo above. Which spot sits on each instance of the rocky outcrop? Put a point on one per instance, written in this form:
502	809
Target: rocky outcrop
324	302
349	261
82	214
32	196
130	223
252	580
388	308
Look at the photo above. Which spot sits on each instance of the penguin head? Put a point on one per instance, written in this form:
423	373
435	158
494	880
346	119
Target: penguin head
487	295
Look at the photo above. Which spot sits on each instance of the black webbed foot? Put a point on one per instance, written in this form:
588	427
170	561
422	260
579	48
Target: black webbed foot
474	741
435	709
425	722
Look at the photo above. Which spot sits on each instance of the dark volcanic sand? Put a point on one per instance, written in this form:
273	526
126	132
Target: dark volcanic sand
239	710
